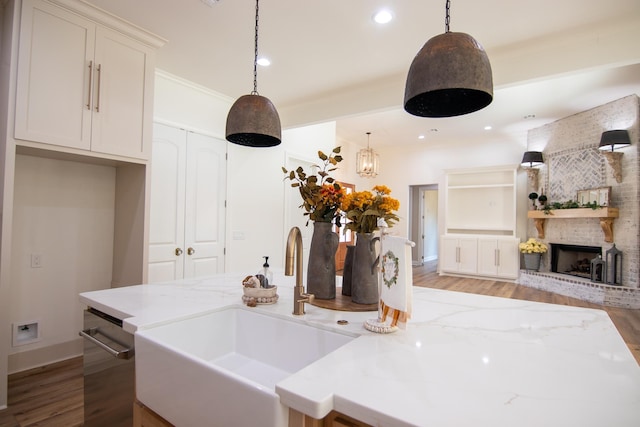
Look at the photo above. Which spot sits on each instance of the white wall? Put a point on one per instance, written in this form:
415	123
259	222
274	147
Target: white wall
64	212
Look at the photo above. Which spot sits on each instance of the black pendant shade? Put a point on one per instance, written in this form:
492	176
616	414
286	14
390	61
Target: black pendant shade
253	121
531	159
614	139
450	76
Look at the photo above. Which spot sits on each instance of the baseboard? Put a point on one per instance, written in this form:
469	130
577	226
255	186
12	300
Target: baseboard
30	359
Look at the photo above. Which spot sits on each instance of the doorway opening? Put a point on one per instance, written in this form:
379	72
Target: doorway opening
423	223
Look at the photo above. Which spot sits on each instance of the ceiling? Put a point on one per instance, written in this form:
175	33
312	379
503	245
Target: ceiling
330	61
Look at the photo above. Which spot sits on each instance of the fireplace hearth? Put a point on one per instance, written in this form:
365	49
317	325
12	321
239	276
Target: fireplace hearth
573	260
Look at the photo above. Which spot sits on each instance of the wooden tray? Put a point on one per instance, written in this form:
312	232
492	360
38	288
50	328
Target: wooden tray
343	303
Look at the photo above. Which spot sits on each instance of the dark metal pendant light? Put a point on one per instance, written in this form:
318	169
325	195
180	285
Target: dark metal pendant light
253	120
450	76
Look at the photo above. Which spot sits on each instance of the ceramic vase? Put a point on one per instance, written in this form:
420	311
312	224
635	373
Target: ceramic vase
321	271
347	270
532	261
364	274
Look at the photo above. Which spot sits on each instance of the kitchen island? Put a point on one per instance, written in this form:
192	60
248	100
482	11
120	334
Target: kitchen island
464	360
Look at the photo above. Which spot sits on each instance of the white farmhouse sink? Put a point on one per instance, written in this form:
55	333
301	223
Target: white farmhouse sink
221	368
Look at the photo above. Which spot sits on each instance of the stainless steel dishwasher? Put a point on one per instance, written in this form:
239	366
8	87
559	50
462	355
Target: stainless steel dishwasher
109	371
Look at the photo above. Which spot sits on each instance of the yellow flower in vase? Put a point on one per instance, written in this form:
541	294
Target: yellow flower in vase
364	208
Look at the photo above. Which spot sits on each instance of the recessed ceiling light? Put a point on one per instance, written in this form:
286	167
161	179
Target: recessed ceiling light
264	62
383	16
420	136
488	127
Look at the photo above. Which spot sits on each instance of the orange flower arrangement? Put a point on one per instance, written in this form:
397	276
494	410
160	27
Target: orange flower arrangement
321	197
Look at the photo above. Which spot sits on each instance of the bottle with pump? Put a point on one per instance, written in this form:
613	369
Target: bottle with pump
265	275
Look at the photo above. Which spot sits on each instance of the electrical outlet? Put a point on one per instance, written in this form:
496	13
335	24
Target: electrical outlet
36	260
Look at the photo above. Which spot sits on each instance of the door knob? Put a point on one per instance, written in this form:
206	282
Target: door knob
191	251
178	251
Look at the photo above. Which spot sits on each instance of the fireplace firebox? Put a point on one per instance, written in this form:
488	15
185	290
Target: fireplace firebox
573	260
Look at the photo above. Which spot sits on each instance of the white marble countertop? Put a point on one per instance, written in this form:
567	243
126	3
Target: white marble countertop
464	360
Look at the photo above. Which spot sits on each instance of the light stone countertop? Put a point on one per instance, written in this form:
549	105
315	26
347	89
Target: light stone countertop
464	360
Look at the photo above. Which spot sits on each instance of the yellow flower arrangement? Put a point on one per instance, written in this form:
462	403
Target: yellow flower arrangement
321	194
533	246
364	208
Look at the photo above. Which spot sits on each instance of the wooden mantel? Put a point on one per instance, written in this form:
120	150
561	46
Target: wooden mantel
606	216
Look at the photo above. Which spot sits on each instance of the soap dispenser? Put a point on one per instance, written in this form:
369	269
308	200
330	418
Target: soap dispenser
265	275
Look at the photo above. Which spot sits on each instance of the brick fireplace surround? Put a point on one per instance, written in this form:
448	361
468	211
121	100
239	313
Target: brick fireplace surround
573	162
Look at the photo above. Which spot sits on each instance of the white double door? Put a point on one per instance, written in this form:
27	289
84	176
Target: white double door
187	215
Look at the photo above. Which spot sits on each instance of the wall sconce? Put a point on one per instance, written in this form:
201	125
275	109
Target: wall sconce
530	161
367	161
613	140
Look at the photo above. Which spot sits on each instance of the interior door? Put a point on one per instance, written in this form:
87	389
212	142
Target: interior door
187	215
205	196
166	217
430	225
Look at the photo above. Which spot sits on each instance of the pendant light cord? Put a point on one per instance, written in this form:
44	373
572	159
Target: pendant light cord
447	18
255	56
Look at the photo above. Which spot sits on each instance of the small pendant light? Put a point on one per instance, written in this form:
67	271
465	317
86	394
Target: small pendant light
450	76
367	161
253	120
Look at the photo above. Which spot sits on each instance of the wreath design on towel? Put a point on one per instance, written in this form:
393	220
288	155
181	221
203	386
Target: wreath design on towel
390	262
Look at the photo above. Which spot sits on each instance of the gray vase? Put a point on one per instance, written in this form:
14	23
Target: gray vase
347	271
532	261
321	271
364	274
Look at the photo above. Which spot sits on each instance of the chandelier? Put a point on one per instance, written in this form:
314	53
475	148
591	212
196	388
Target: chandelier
367	161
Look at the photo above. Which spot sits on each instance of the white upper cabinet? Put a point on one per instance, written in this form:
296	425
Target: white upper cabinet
81	84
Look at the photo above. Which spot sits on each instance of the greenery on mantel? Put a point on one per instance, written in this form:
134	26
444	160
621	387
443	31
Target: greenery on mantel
571	204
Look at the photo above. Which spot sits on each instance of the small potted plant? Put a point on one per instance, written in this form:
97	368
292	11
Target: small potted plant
542	199
532	251
533	197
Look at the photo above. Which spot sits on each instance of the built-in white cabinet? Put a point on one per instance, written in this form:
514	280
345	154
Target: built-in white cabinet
459	254
498	257
481	201
480	223
83	82
187	213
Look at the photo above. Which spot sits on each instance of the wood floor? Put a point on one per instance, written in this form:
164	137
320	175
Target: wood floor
47	396
53	395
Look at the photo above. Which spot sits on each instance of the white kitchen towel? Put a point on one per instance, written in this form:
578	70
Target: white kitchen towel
396	288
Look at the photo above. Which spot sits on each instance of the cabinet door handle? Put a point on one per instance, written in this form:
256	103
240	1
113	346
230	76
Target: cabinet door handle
99	73
191	251
496	256
178	251
90	85
458	254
